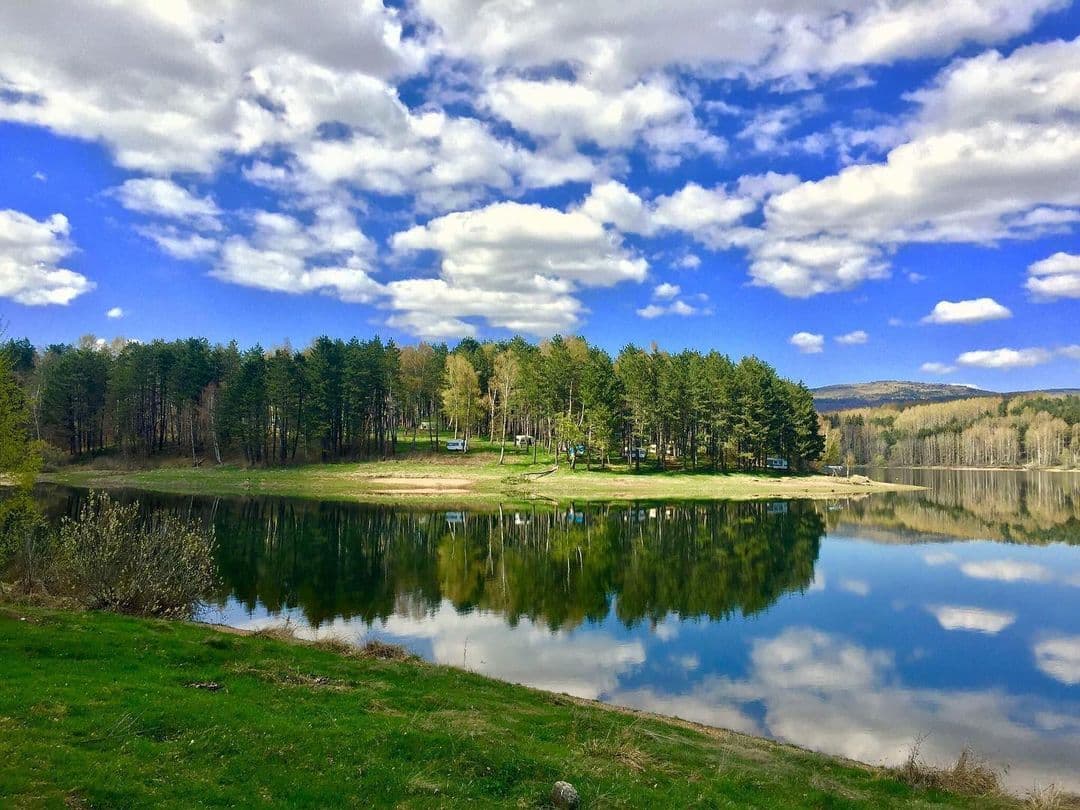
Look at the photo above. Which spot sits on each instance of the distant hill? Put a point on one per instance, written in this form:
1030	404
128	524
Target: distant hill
889	392
901	392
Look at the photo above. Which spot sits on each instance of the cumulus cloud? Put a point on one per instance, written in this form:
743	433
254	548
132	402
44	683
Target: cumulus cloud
1055	277
711	216
808	342
619	41
975	310
856	338
1005	358
567	111
801	268
115	312
179	101
988	156
329	255
30	256
515	266
665	290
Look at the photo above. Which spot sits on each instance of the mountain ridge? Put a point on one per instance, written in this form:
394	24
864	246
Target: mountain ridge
843	396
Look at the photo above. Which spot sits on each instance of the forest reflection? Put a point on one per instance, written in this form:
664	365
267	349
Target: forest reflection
1029	507
556	567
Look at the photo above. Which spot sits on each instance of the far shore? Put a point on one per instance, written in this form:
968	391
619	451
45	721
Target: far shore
473	479
964	468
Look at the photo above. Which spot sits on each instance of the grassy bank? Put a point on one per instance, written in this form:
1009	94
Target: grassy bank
475	478
99	710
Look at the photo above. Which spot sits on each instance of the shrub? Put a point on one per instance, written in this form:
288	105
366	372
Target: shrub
112	557
26	544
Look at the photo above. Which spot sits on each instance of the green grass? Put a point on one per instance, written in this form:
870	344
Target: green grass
472	479
99	710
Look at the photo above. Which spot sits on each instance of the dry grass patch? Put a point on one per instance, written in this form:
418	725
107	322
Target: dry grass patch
385	652
970	776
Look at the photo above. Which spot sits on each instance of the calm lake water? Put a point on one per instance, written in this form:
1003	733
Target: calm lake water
853	626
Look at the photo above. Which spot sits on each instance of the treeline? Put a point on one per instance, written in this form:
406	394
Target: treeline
361	399
1035	431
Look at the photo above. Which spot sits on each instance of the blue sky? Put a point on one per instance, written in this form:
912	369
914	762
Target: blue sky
852	191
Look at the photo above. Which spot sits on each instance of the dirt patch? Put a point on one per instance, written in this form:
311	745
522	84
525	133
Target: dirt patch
423	482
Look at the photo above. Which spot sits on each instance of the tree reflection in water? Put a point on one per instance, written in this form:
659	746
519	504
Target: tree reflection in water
555	567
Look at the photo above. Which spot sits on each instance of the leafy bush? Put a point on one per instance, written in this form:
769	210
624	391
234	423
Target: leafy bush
26	544
112	557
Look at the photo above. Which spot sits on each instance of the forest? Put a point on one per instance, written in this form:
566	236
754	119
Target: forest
359	399
1019	431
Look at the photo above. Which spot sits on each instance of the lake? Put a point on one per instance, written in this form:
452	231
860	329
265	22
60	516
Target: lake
855	626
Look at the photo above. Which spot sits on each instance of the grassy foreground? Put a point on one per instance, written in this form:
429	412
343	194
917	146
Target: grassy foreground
98	710
475	478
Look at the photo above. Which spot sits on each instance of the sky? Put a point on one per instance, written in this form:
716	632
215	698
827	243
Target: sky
852	191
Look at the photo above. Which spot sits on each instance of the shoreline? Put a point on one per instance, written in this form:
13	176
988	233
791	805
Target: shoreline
372	724
969	469
475	480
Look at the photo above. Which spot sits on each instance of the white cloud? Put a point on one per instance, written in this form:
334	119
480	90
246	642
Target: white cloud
1007	571
808	342
678	307
955	617
1055	277
975	310
30	254
178	101
570	112
761	186
934	367
115	312
989	156
856	338
180	244
711	216
617	42
767	130
164	198
330	255
689	262
802	268
1005	358
666	290
515	266
700	211
1059	658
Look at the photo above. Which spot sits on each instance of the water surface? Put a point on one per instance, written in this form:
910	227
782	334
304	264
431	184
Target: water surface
854	626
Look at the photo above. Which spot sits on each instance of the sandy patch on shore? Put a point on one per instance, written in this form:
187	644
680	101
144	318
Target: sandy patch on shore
419	485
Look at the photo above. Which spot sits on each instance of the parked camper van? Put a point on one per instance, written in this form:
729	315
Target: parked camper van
457	445
773	463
